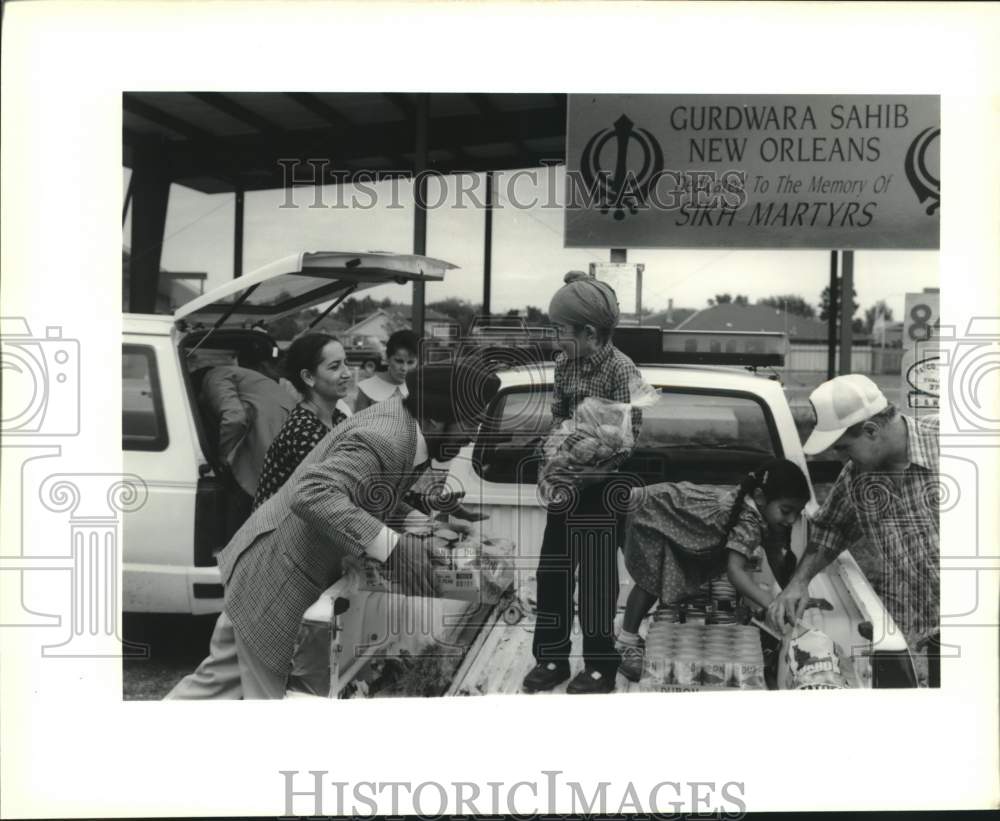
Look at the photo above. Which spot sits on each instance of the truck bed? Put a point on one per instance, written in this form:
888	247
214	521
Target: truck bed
500	656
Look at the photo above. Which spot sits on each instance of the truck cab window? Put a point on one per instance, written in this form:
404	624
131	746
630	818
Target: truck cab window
687	436
507	450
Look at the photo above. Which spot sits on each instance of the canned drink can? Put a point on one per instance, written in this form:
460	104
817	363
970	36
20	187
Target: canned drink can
715	674
686	671
751	675
656	668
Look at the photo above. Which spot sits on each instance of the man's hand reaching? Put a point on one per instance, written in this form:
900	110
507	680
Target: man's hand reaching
788	607
409	565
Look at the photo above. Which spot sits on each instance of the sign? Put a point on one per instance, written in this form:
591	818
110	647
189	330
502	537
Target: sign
624	278
921	386
753	171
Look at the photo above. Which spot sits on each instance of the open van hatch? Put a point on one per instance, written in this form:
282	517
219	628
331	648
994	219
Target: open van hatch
302	280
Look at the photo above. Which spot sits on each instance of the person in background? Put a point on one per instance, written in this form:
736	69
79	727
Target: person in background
585	535
245	409
401	352
317	367
887	492
680	535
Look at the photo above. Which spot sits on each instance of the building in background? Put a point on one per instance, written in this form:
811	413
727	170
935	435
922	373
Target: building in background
383	322
807	337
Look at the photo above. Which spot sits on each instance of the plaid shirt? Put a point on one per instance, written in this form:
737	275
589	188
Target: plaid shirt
606	374
898	514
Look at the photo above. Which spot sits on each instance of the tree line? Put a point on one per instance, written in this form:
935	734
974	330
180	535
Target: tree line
464	313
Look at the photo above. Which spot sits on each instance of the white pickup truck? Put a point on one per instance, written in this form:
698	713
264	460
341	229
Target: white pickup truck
712	424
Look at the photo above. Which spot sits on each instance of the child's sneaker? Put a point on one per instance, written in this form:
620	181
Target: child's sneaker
632	653
546	676
590	681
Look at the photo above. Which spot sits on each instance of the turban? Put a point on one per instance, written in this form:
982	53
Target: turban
584	300
446	393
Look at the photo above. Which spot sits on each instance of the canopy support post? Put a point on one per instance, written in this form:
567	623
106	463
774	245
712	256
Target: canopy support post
150	193
420	205
831	319
488	248
238	234
846	314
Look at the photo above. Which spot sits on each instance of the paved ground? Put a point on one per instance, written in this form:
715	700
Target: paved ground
176	645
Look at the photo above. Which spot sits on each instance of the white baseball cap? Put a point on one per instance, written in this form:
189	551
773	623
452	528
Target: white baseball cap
840	403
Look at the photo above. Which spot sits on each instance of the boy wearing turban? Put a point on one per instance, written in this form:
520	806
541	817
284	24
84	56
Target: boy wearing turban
583	534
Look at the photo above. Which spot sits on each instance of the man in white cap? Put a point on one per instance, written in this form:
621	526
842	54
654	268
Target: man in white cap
887	493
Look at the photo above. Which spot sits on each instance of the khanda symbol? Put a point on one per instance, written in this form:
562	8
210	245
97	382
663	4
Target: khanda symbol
925	185
621	190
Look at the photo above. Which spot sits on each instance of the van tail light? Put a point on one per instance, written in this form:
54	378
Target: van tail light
209	521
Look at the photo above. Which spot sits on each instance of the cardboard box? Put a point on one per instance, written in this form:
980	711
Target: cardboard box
484	583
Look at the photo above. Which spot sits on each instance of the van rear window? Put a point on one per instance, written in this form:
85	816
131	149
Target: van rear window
143	423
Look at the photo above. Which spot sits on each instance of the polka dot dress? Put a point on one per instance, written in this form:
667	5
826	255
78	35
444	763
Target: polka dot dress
301	432
673	541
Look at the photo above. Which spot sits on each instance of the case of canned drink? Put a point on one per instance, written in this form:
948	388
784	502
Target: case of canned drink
693	656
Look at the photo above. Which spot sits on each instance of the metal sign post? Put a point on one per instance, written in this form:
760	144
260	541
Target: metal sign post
846	312
624	277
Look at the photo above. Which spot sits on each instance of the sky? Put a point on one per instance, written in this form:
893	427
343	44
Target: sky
529	259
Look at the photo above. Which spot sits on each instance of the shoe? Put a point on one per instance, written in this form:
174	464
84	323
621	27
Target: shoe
545	676
591	681
632	658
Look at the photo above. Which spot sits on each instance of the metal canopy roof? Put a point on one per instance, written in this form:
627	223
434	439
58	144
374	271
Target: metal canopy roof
217	142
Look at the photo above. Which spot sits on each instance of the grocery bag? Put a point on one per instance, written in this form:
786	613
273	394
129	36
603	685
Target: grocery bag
593	442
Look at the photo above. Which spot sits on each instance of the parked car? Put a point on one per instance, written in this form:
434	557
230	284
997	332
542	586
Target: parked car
366	353
170	543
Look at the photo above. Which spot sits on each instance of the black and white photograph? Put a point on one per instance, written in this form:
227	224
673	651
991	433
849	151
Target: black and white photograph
446	397
606	491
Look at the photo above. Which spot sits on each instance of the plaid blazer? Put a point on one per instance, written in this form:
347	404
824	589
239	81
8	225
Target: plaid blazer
335	503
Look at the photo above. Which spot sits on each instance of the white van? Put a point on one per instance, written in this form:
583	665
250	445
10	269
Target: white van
170	543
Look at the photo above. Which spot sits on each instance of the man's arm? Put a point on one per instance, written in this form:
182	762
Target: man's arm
329	492
790	604
833	527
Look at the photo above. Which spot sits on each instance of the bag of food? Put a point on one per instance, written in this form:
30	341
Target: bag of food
598	437
810	660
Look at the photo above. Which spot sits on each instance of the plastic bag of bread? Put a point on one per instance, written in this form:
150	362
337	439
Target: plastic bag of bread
595	441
